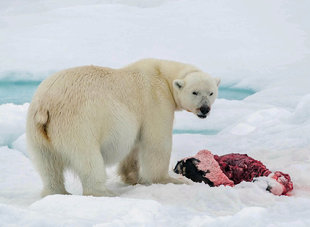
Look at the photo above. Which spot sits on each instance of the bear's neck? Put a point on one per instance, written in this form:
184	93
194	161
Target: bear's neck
167	70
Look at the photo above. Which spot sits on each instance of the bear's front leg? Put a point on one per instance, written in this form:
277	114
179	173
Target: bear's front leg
154	157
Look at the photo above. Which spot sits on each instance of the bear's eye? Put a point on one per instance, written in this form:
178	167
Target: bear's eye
211	93
195	93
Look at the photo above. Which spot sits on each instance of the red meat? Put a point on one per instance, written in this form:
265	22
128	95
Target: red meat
284	180
240	167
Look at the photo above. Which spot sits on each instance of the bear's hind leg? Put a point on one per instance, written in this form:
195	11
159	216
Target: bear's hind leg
91	170
50	167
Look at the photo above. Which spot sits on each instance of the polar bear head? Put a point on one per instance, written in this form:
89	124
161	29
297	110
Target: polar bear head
196	92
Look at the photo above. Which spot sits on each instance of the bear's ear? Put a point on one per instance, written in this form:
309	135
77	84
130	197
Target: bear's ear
217	81
179	84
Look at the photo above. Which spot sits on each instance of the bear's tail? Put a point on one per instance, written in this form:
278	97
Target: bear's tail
42	119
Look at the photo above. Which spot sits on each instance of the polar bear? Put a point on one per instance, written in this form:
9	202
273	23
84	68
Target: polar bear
89	117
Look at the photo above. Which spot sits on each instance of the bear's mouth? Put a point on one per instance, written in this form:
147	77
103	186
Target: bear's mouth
203	111
202	116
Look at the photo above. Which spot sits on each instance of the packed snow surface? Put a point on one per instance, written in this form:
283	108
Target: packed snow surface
256	45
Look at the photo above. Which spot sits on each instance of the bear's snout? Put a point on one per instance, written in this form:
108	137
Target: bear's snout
204	109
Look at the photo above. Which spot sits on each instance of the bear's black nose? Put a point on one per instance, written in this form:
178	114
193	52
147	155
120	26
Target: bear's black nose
204	109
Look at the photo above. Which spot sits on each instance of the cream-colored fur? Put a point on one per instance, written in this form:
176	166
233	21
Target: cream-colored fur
88	117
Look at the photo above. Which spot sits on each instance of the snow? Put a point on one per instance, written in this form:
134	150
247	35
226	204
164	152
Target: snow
12	122
259	45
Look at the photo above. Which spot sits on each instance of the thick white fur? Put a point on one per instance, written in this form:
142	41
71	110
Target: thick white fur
88	117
